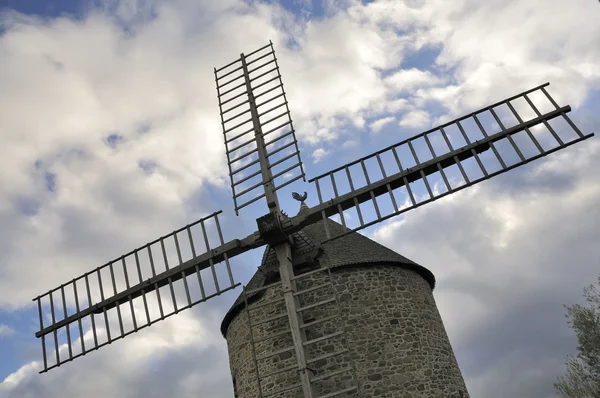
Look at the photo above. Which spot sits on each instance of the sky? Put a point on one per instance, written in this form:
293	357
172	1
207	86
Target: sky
111	137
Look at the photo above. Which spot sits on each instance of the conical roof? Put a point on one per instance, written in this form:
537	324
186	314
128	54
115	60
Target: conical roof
352	249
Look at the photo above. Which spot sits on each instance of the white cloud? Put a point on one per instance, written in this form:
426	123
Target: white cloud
318	154
549	46
350	144
14	379
67	85
406	80
378	124
147	80
5	331
526	245
491	60
415	119
390	105
154	362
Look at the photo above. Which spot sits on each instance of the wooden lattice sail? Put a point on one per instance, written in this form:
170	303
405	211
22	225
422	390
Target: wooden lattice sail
184	268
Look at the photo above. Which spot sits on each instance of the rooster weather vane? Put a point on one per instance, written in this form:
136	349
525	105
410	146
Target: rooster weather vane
298	197
191	265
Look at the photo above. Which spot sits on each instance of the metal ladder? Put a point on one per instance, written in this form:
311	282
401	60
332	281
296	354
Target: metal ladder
324	340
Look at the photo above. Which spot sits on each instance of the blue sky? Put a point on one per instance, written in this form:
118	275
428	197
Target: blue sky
78	8
44	8
111	138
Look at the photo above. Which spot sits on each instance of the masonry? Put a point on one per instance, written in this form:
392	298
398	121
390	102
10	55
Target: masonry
388	330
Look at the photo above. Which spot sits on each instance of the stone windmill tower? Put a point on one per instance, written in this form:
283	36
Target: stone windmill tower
387	336
329	313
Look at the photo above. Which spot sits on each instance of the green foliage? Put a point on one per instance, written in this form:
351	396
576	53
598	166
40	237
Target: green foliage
582	378
577	381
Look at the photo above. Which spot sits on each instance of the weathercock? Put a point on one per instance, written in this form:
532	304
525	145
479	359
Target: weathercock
298	197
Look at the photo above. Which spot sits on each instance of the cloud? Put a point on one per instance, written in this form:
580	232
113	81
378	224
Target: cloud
489	60
507	257
121	112
318	154
5	331
549	46
415	119
378	124
350	144
141	72
409	79
141	87
167	351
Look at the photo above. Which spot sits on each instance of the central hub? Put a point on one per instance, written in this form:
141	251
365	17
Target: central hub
270	229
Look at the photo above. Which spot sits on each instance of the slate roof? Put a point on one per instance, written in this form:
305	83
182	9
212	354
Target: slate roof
352	249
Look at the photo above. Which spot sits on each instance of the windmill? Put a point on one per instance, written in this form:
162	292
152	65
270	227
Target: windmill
182	269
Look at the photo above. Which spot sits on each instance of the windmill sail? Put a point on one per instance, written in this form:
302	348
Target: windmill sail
182	269
140	288
253	103
380	182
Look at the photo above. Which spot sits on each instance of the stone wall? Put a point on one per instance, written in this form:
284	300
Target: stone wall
396	339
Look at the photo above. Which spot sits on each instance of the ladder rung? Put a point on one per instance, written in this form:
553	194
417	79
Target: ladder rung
232	161
328	336
259	58
232	89
262	84
230	72
232	98
279	138
259	289
320	303
336	393
237	115
312	289
272	354
261	66
272	336
275	129
255	307
335	373
231	139
274	318
308	273
331	354
274	118
257	51
234	107
264	74
281	148
284	389
313	323
282	370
